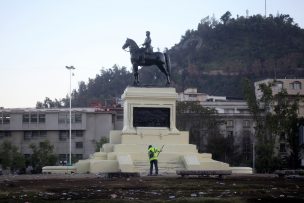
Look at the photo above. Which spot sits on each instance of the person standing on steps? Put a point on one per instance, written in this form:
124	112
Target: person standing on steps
153	156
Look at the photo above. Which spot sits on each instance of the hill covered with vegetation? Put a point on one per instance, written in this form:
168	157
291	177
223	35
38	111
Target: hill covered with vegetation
218	54
215	58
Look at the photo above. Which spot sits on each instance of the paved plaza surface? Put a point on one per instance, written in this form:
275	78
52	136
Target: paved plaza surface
99	188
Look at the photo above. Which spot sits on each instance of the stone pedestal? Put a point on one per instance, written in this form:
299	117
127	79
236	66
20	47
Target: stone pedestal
149	111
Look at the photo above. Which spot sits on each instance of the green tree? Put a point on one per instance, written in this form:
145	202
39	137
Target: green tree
109	84
100	143
223	148
226	17
10	158
203	126
274	115
42	155
266	160
199	121
48	103
288	124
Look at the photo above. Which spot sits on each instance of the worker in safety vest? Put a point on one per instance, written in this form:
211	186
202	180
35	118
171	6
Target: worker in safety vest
153	155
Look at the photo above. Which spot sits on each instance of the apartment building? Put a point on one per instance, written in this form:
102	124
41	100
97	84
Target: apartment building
23	126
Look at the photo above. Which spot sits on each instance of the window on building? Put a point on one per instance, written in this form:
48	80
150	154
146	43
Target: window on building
62	117
229	123
244	111
42	133
119	117
26	118
41	118
79	133
246	123
282	136
228	111
229	134
6	118
27	135
230	138
246	147
75	133
34	118
63	135
65	117
78	118
79	145
282	147
113	118
5	134
290	85
35	134
278	85
295	85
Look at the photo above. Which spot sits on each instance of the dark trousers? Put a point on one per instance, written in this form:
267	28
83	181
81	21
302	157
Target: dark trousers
153	162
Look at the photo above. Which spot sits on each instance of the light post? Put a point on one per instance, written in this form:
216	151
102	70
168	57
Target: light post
253	154
70	133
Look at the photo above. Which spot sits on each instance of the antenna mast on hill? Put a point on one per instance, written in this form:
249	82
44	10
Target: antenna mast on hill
265	9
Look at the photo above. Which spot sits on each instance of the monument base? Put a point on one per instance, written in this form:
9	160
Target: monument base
134	158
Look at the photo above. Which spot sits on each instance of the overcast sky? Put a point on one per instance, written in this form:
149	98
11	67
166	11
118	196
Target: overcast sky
38	38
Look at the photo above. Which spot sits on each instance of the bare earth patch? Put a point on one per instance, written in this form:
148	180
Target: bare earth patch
97	188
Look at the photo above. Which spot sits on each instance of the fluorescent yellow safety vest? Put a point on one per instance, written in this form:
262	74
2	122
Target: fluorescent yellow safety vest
153	153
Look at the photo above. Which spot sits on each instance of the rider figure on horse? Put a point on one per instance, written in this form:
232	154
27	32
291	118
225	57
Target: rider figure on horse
147	43
147	46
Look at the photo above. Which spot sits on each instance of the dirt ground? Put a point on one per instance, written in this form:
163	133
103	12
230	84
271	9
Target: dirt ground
97	188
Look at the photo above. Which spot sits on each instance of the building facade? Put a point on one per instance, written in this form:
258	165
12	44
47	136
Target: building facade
237	120
22	127
294	88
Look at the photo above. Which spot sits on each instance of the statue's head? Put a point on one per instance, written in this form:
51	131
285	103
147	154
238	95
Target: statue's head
147	32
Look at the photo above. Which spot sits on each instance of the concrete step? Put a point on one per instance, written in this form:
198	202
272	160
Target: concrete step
143	167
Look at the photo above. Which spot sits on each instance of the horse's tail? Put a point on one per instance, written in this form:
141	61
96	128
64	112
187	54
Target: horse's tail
168	64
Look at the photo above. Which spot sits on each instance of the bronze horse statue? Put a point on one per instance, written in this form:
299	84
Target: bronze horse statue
139	57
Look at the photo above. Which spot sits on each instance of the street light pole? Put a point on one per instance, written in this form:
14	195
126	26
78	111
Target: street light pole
253	156
70	133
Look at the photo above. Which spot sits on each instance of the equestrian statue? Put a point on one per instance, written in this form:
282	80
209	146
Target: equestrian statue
145	56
